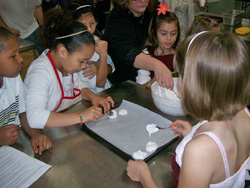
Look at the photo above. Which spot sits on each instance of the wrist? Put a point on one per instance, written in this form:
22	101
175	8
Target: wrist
80	117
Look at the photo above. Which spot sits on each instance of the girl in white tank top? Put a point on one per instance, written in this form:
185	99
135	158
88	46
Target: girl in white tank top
214	83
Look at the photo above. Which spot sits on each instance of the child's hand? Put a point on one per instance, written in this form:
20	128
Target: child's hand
40	142
9	134
137	169
101	47
163	76
90	70
92	114
182	128
104	102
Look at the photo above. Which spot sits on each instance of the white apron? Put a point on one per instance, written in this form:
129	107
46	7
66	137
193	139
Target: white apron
65	101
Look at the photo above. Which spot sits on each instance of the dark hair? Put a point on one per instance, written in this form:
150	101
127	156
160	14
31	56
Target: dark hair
57	24
5	34
122	5
215	72
202	23
71	9
152	42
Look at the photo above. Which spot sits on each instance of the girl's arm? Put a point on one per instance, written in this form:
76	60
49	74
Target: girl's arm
39	14
198	163
102	71
97	100
139	171
162	73
65	119
39	142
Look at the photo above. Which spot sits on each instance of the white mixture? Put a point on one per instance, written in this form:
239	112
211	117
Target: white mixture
151	147
151	128
139	155
123	112
113	114
167	93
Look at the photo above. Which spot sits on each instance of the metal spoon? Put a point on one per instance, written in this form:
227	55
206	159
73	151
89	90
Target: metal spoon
157	126
177	93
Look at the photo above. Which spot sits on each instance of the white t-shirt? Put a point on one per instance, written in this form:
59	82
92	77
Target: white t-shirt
43	92
19	14
12	101
91	83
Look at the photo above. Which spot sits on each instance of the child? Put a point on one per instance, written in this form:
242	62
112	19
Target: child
95	74
12	106
163	37
202	23
126	31
52	80
215	87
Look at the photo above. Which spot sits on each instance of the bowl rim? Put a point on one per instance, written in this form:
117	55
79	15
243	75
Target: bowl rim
154	83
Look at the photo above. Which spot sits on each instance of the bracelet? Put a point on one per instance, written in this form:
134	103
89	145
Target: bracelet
80	116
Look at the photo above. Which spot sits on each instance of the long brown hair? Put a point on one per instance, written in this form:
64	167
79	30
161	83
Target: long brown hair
215	71
152	42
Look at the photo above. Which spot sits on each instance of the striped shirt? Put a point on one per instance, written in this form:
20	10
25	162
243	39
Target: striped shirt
11	101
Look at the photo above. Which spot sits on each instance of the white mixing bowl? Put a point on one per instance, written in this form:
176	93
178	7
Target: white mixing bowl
166	102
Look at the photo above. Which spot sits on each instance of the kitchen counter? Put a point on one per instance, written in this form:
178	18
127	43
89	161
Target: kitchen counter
78	160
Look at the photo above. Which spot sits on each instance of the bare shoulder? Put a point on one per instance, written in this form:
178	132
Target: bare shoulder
241	124
198	157
201	145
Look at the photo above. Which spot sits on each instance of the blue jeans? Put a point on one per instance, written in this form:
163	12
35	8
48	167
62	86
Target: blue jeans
34	37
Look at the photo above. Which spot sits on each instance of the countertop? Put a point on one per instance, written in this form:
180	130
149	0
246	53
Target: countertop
78	160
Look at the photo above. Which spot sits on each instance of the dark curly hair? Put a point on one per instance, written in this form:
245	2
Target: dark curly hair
57	23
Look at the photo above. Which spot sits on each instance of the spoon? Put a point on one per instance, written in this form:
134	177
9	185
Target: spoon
157	126
177	93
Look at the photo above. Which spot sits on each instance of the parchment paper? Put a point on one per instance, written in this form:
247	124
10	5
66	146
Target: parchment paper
128	133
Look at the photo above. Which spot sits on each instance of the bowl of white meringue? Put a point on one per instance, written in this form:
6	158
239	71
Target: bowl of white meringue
167	101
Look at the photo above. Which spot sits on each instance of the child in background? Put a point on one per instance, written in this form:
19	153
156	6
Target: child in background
216	151
12	106
52	80
163	37
202	23
100	64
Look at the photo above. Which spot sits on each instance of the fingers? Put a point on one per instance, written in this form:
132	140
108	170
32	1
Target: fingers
40	143
90	71
105	103
166	83
164	78
13	133
34	145
110	100
180	127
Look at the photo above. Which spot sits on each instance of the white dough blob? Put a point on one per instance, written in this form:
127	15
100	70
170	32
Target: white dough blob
123	112
151	147
113	114
151	128
139	155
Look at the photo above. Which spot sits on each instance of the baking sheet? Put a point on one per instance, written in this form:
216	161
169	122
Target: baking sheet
128	134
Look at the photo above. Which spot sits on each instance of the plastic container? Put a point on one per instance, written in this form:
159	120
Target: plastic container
233	17
170	107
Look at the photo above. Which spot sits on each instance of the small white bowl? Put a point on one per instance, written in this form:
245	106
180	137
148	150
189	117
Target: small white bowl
170	105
